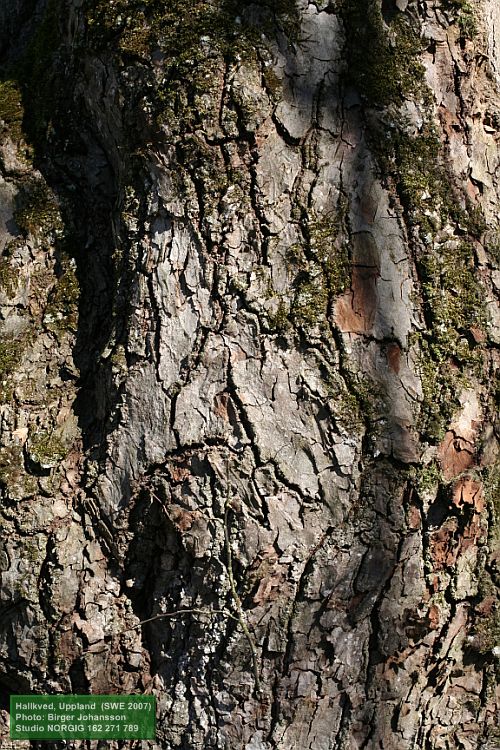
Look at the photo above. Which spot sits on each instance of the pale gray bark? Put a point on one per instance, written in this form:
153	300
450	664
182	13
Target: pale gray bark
249	362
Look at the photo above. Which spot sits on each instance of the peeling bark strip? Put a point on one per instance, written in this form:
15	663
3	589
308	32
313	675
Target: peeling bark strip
271	232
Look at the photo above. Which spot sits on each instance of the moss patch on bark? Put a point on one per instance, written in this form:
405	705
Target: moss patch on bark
442	224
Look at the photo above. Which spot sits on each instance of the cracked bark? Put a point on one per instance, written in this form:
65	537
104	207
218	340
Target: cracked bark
264	279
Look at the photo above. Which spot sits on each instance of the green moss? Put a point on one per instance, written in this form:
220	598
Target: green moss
193	45
424	185
332	256
353	398
11	465
428	477
226	22
40	79
206	168
370	397
382	60
440	392
119	359
348	409
135	41
492	246
11	352
38	211
280	321
492	494
8	277
32	552
464	15
453	306
9	356
47	449
453	298
413	160
273	84
61	312
310	303
11	108
487	632
321	267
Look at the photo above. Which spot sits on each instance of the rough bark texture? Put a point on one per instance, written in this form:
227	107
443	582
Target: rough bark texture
249	332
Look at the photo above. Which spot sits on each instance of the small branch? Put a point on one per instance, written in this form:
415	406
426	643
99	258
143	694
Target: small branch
160	616
232	585
239	615
187	611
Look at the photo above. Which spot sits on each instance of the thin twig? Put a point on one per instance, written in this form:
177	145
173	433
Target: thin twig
187	611
232	585
160	616
239	617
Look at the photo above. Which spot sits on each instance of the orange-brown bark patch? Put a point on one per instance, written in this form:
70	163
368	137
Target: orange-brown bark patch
414	518
183	519
443	546
220	405
271	587
478	335
434	616
179	473
468	491
470	536
355	311
393	354
455	455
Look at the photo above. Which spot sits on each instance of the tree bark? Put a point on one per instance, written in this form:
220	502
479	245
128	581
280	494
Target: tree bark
249	367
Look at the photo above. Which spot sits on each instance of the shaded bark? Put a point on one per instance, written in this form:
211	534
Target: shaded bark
249	363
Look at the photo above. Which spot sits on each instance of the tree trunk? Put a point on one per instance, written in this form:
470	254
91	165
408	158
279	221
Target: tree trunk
249	343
